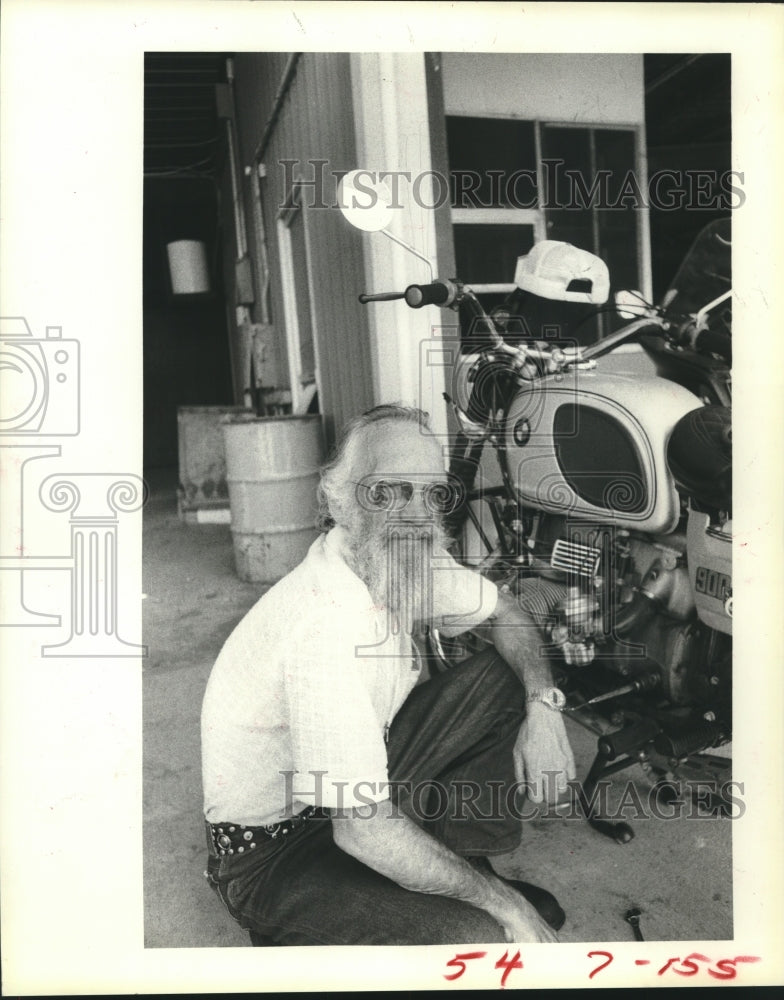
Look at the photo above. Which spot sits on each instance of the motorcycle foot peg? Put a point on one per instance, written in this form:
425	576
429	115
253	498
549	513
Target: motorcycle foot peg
695	740
628	739
621	833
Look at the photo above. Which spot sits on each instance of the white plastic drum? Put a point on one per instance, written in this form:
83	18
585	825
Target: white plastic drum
272	468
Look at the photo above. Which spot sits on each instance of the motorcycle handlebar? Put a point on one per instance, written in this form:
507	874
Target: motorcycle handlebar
365	297
625	333
437	293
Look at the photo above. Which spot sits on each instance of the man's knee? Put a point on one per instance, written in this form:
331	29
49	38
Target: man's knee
454	922
488	671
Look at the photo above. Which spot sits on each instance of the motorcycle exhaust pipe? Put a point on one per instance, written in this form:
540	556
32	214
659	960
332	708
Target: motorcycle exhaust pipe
662	589
636	613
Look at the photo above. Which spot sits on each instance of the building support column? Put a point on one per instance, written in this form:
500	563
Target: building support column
393	134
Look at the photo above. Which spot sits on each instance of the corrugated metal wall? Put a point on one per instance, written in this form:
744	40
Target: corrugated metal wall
314	122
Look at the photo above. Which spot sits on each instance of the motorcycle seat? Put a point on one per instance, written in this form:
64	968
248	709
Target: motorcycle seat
699	454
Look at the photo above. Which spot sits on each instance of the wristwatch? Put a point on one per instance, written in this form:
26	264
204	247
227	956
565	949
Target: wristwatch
553	697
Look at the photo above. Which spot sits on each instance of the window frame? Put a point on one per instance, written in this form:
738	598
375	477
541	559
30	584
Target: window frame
537	217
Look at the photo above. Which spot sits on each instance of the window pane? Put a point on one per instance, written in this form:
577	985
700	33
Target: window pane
487	254
492	163
618	226
589	172
568	171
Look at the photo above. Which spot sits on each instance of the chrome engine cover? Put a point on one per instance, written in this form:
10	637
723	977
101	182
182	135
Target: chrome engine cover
710	570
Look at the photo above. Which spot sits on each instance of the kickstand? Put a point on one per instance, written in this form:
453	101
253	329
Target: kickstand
620	832
615	752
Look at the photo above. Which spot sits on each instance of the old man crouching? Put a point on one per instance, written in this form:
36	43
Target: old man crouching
335	782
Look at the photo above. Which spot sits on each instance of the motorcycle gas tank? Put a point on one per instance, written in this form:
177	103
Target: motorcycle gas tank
593	444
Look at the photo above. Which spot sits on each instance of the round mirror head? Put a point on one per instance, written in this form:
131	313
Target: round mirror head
365	201
630	304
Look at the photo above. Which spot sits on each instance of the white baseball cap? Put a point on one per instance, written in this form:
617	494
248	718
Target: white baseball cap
556	270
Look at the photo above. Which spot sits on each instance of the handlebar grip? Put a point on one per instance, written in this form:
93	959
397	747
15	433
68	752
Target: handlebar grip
437	293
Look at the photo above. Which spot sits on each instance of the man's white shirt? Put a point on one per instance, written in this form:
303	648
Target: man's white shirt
302	694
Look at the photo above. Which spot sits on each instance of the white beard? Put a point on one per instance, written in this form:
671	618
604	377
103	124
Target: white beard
394	560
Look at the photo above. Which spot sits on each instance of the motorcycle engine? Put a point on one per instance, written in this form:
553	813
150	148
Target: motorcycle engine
616	602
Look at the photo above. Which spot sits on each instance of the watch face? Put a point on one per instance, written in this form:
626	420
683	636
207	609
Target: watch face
551	696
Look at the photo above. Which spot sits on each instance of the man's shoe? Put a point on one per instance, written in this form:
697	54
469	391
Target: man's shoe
544	902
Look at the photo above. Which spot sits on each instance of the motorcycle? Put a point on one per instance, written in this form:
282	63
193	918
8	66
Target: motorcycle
595	484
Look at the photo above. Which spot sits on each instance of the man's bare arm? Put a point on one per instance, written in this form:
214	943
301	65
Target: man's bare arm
543	757
518	638
393	845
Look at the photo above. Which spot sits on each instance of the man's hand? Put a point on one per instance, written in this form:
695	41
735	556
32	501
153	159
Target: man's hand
542	745
393	845
519	919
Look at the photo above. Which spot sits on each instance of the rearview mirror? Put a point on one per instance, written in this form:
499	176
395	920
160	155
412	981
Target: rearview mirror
630	304
365	201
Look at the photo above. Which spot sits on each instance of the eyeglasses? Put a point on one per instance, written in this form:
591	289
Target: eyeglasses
440	498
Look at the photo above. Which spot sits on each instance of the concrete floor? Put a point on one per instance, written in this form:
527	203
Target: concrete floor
679	872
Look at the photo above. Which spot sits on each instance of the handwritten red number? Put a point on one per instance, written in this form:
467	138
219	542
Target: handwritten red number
507	964
727	966
690	964
460	960
604	965
727	969
692	967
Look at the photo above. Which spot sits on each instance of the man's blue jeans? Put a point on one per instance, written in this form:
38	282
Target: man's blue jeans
455	732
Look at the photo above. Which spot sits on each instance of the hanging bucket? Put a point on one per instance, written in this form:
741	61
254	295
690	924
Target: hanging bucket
188	267
272	468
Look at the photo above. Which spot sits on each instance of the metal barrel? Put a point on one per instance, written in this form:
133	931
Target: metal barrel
272	468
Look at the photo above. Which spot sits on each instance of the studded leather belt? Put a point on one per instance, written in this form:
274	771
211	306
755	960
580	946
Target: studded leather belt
233	838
